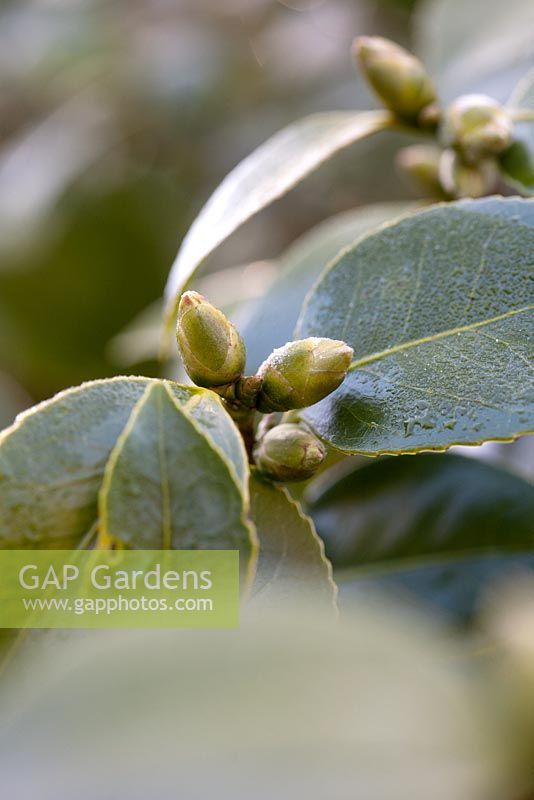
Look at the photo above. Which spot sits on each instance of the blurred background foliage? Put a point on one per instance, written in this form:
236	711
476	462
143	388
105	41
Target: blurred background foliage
117	119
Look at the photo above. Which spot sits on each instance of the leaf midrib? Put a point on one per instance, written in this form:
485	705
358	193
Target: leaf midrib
166	516
434	337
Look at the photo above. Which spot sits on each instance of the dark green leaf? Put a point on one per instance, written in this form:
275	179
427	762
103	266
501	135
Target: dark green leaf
268	173
440	526
438	308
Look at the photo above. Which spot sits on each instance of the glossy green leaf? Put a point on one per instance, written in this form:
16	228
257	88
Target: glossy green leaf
517	163
439	309
268	173
52	459
166	487
269	321
291	567
476	45
439	526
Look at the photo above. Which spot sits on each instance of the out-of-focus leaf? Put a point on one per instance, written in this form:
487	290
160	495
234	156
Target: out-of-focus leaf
380	706
13	399
438	308
292	569
166	487
476	45
439	526
35	169
269	321
139	340
517	163
266	174
52	458
103	257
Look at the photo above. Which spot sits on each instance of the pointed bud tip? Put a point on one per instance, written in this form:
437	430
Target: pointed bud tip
366	46
362	46
190	299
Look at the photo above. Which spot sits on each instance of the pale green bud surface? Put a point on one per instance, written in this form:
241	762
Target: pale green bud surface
289	453
301	373
460	179
478	126
398	77
419	163
212	349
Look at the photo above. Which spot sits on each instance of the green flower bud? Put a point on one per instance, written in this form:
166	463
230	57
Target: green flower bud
212	349
460	179
289	453
398	78
302	373
477	126
420	164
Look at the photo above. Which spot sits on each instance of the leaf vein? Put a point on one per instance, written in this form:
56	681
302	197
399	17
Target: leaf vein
426	390
434	337
417	285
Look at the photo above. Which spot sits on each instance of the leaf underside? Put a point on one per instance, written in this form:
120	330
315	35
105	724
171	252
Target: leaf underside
265	175
291	567
480	46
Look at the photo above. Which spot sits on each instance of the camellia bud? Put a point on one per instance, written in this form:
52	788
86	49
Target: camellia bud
477	126
212	349
460	179
420	164
397	76
289	453
301	373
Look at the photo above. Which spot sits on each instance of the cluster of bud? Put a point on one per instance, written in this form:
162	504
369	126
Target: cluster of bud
473	131
470	135
294	376
445	173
